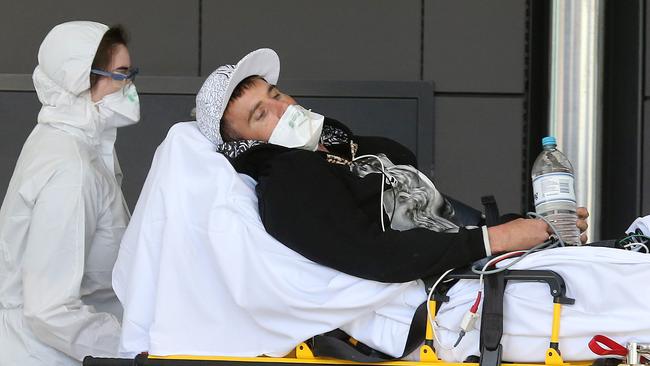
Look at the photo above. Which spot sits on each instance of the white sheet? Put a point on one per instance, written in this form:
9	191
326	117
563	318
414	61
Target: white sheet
612	292
197	274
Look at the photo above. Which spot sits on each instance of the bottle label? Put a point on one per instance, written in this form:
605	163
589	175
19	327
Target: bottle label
554	187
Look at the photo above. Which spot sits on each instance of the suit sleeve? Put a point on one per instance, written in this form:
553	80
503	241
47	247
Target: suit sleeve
305	206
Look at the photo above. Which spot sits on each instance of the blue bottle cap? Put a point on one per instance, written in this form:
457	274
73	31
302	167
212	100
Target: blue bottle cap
549	140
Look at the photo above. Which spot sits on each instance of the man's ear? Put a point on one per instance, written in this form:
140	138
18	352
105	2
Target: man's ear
226	130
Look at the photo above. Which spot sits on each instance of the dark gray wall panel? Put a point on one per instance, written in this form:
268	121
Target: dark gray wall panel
478	149
645	162
137	144
394	118
475	45
164	33
324	39
647	49
18	112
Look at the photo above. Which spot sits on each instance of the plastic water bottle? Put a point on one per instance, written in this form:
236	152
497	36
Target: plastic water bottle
554	190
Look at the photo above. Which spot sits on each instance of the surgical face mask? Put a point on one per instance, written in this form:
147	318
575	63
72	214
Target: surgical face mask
121	108
298	128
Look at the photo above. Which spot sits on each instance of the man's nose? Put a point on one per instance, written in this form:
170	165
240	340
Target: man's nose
280	107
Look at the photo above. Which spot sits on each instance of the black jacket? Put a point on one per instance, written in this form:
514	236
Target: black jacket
331	216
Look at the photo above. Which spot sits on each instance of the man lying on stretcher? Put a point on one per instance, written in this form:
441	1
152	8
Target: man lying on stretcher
211	281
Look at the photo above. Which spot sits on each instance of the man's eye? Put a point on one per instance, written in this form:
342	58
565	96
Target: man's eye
277	96
261	115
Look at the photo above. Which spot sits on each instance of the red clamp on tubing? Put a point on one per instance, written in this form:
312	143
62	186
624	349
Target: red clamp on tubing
474	307
613	348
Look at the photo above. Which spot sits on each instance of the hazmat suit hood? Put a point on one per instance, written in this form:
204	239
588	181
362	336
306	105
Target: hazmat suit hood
62	82
62	79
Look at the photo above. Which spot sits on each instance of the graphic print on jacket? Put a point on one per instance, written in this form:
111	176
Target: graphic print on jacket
413	201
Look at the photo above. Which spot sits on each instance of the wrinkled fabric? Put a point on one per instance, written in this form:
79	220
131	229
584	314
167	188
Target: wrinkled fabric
62	217
198	274
610	288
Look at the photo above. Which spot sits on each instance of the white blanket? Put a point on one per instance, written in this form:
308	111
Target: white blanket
197	273
612	292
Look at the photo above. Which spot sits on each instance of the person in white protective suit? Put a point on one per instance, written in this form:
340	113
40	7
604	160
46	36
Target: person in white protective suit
63	216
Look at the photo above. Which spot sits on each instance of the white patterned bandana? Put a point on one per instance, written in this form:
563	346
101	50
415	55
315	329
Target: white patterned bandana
213	97
331	135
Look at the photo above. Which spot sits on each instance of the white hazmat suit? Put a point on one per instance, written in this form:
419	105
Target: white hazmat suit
63	216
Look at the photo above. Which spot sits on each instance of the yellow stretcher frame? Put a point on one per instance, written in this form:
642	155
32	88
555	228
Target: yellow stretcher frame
303	354
428	357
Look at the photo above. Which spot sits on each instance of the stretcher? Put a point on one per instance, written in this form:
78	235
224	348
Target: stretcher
329	351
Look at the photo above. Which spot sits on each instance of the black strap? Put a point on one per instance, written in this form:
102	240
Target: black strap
418	330
336	343
492	319
491	210
99	361
605	244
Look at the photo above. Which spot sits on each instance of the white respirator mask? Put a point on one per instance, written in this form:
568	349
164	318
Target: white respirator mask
298	128
121	108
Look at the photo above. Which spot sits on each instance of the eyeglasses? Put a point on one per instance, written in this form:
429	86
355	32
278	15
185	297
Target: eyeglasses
119	76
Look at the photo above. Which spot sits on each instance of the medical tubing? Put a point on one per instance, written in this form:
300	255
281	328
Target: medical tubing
535	215
636	247
474	309
429	318
635	242
493	261
539	247
548	244
635	237
521	253
477	302
475	305
381	194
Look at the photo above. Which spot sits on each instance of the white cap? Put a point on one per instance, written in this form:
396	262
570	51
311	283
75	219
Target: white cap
213	97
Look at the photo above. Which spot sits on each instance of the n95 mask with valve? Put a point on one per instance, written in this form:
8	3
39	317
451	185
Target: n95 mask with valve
298	128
